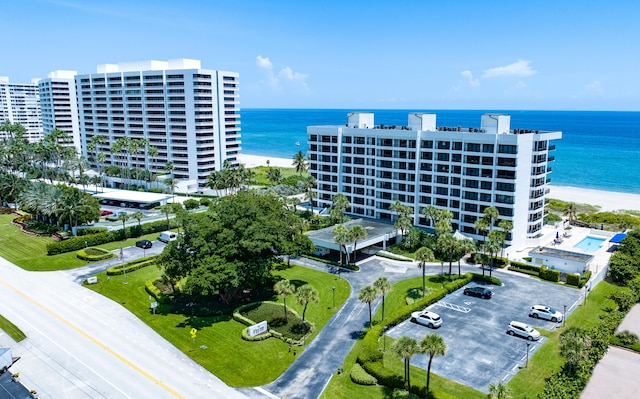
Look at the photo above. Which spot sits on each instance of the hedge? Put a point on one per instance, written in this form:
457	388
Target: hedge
92	240
585	278
525	266
361	377
155	292
91	230
524	271
549	274
237	316
93	254
573	279
131	266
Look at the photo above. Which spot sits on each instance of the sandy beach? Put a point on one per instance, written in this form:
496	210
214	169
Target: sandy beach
606	200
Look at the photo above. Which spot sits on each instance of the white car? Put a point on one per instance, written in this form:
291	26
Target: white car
427	318
545	312
523	330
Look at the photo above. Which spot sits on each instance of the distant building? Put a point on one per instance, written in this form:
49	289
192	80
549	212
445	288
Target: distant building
20	103
191	115
59	106
464	170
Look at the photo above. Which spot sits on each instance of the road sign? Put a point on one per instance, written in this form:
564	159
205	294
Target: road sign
193	333
154	305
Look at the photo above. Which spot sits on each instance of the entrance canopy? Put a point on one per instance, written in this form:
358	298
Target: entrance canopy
376	233
617	238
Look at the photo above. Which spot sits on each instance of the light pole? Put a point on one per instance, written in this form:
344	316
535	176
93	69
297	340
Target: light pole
333	295
441	274
527	364
564	316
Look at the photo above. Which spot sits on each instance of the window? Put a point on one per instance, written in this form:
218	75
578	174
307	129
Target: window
473	147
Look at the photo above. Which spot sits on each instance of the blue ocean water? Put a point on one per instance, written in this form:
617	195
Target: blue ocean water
599	149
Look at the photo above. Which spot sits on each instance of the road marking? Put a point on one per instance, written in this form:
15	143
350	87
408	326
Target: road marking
265	392
298	382
453	306
95	341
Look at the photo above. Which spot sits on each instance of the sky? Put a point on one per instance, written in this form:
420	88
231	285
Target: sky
422	54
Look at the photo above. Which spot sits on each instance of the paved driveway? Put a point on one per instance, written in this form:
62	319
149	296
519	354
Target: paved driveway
478	349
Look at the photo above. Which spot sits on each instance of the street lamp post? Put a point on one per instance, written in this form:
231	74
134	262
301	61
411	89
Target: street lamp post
333	296
564	316
527	363
441	274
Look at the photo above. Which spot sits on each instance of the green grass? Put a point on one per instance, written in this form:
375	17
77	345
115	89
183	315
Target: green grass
237	362
260	174
30	252
11	330
528	383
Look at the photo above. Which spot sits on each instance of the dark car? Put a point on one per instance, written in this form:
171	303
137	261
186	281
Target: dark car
479	292
144	244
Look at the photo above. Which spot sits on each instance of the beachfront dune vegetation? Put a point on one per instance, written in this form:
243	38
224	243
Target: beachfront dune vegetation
591	216
624	265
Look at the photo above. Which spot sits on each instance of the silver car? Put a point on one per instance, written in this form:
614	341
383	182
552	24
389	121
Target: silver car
523	330
545	312
427	318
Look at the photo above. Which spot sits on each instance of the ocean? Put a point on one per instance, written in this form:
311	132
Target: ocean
599	149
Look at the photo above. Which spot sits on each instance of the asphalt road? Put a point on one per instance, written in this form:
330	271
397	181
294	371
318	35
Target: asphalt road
83	345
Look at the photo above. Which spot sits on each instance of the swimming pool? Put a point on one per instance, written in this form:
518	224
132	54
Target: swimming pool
590	244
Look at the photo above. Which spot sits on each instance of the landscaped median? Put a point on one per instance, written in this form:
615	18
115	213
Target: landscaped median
385	367
219	346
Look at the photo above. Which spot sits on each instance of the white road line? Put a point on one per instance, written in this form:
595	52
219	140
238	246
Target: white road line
266	393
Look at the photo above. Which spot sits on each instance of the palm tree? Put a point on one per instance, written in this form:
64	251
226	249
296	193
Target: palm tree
171	184
574	346
481	225
492	246
570	210
138	215
306	294
433	345
491	214
310	195
275	175
300	162
341	237
284	288
152	152
356	233
367	295
448	243
506	226
383	285
424	255
405	347
167	209
499	391
123	217
101	157
339	205
466	247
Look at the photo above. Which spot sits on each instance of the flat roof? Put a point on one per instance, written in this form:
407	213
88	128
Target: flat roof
374	229
562	254
132	196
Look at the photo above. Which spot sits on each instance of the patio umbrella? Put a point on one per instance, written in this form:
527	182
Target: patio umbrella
557	235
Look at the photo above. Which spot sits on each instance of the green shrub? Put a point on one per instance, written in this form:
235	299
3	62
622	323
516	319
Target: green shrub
403	394
626	337
205	201
191	204
573	279
585	278
549	274
151	289
91	230
525	266
93	254
361	377
259	337
131	266
524	271
486	279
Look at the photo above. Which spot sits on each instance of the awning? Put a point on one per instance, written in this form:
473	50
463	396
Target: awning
617	238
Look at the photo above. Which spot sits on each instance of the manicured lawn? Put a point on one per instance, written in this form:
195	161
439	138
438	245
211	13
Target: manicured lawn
11	330
30	252
237	362
528	383
260	174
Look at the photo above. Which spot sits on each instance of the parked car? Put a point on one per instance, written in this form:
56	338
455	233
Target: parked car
146	244
479	292
545	312
167	236
523	330
427	318
105	212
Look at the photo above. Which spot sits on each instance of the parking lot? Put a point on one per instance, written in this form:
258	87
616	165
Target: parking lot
479	351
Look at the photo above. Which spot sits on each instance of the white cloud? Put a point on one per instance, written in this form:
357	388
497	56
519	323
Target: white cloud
595	87
286	77
469	77
519	68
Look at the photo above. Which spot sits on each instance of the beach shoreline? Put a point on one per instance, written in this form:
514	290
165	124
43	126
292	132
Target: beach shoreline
606	200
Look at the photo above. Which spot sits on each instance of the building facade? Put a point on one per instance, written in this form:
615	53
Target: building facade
464	170
59	107
190	115
20	103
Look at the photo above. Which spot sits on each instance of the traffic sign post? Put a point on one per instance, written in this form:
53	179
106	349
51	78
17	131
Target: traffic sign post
193	333
154	305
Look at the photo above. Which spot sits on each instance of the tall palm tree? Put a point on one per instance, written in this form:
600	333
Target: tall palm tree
171	184
481	225
383	285
466	247
574	346
123	217
152	152
167	209
310	195
101	158
367	295
424	255
449	245
300	162
506	226
138	215
405	347
491	214
284	288
341	237
570	210
492	247
339	205
499	391
306	294
356	233
433	345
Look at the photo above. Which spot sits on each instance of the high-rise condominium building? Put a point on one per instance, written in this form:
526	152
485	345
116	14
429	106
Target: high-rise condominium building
20	103
464	170
190	115
59	107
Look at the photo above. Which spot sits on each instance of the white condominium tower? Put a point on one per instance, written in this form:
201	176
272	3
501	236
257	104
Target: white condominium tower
59	107
464	170
190	115
20	103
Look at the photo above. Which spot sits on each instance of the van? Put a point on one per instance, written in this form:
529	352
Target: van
167	236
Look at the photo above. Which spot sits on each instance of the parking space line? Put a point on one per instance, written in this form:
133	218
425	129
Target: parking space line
453	306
